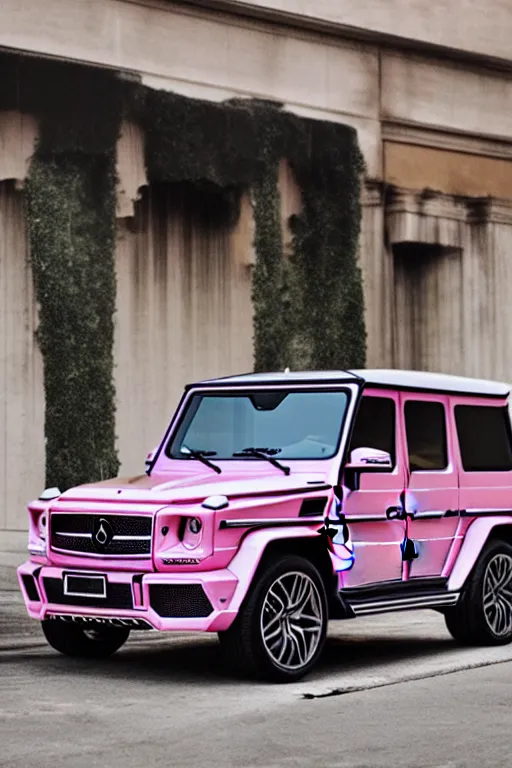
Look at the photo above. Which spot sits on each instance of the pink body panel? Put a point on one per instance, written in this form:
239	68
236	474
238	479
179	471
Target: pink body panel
475	538
462	526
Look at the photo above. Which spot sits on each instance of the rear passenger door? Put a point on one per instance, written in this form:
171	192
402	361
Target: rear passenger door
432	494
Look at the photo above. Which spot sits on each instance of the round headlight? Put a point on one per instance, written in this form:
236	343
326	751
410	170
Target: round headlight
42	525
194	525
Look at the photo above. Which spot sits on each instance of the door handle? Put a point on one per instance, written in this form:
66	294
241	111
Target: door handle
395	513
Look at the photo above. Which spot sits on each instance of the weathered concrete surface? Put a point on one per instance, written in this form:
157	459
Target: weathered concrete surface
9	561
16	629
169	701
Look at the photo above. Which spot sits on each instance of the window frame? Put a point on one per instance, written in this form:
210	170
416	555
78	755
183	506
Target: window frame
381	395
429	400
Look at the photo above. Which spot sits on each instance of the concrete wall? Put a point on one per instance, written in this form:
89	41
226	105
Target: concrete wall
452	307
207	56
22	454
184	313
455	173
216	56
439	95
183	307
74	28
466	25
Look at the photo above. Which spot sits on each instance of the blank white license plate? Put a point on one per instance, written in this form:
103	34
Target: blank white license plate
78	585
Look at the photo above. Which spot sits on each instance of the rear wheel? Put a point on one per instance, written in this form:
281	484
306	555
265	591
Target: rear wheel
280	631
483	615
74	640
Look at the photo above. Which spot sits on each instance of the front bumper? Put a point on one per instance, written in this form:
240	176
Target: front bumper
180	602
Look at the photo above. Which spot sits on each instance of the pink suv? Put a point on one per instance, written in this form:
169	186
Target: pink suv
276	502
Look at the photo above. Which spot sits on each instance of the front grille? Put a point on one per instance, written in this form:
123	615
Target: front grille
118	595
109	535
179	601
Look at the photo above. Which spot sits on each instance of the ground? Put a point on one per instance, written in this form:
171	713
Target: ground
391	691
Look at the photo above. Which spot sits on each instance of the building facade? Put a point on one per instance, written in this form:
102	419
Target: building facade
428	88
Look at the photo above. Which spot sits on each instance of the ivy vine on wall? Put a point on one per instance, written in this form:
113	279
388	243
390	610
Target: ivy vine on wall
327	287
308	309
71	215
70	208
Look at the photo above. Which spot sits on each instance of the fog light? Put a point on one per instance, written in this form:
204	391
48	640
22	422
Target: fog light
195	525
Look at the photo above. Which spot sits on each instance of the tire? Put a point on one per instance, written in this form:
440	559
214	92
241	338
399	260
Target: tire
269	639
88	643
483	615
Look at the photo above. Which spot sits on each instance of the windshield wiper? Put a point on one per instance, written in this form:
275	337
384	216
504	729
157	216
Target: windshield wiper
264	453
202	457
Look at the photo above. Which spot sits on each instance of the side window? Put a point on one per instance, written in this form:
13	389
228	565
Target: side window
375	425
484	438
425	426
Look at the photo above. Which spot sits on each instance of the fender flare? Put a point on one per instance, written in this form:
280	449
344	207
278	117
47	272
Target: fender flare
474	541
246	561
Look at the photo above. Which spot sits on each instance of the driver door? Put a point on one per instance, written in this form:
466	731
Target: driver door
376	539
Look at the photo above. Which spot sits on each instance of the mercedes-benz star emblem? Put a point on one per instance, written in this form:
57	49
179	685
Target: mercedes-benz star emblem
102	533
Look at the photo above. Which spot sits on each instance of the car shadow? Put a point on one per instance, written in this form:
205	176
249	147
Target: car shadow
199	659
363	653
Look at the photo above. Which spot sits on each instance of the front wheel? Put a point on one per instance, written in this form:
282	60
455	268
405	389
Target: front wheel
91	643
483	615
280	631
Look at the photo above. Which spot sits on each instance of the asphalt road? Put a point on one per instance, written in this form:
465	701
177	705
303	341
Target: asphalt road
390	691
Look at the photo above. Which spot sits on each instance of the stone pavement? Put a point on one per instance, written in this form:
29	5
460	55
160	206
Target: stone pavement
9	561
13	551
16	629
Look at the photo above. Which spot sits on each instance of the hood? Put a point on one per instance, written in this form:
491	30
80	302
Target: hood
188	488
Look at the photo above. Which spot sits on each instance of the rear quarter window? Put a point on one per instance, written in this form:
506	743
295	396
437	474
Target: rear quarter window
484	438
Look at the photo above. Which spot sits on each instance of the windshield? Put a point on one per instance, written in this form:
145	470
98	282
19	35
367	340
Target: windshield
294	425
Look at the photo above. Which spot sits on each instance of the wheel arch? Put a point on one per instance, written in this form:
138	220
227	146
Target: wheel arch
478	534
264	546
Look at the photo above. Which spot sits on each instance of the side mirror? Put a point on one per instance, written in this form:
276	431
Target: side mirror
365	460
368	459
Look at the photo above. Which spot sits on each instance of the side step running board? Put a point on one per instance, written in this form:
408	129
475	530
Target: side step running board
363	608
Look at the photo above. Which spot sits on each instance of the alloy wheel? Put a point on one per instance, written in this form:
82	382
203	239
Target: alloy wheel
497	594
292	620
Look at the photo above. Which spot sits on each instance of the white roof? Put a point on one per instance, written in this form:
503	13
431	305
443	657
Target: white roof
398	379
433	381
284	377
